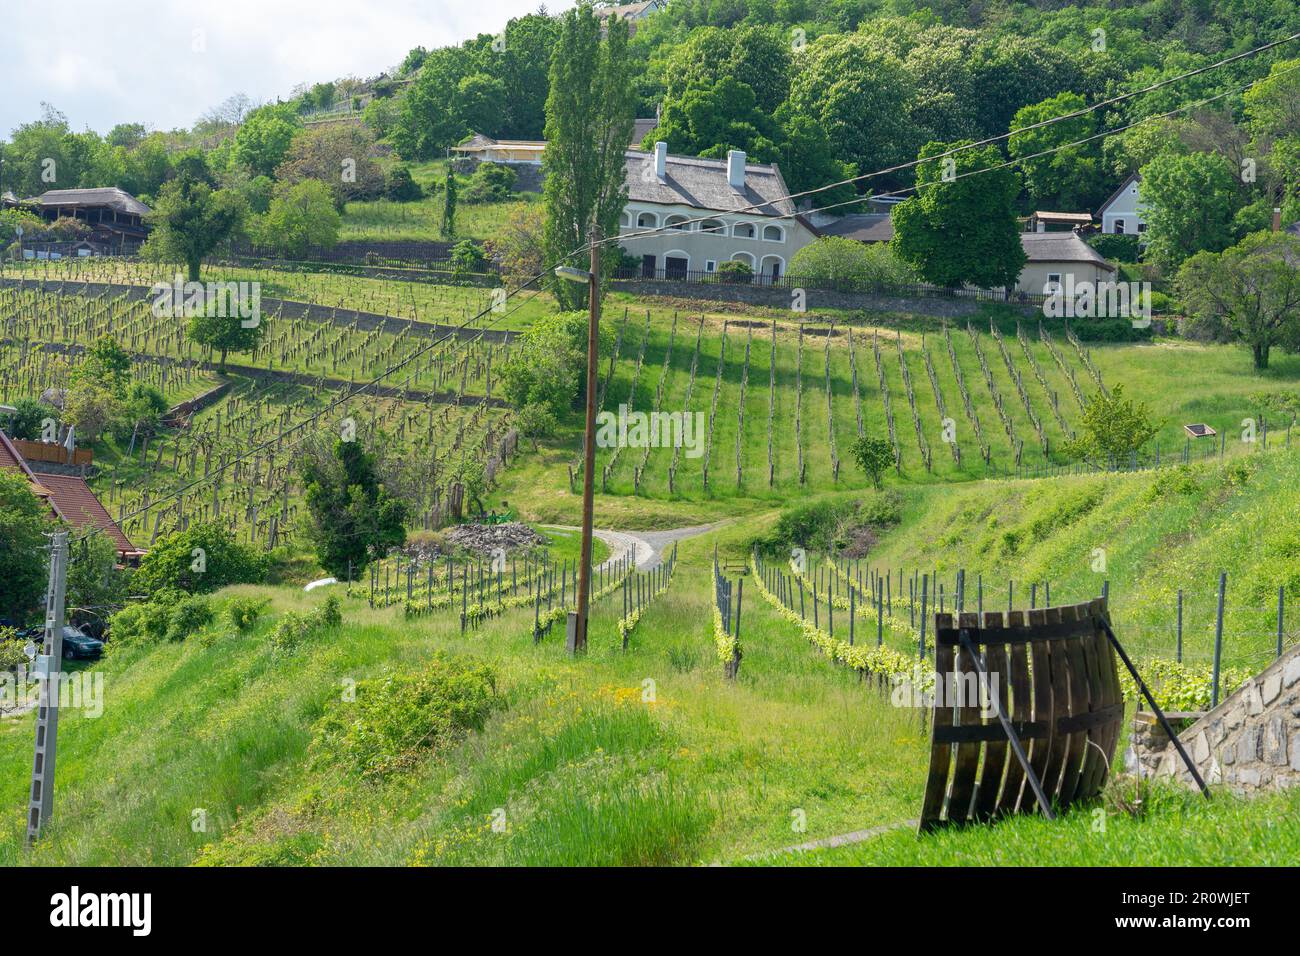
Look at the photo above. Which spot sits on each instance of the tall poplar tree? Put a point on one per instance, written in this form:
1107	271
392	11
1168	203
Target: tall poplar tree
590	114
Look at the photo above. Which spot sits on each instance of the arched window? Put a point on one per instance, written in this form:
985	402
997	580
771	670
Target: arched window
676	264
773	268
715	226
678	222
624	220
743	230
744	257
773	234
647	220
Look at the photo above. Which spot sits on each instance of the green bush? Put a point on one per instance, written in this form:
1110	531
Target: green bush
1121	248
189	616
145	623
202	558
813	525
491	182
397	719
294	628
242	613
11	649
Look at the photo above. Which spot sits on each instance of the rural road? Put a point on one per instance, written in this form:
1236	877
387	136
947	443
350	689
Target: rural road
647	546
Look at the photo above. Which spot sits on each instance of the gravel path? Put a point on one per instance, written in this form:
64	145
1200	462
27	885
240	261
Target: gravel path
647	546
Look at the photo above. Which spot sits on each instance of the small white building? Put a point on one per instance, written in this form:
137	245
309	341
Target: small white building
1052	256
712	211
1122	214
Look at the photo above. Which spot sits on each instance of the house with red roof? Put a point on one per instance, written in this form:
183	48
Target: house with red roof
69	499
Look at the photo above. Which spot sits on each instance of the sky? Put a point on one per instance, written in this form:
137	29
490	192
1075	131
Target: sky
166	62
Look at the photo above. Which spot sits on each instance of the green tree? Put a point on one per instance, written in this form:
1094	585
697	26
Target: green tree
589	120
28	419
190	219
24	522
202	558
106	363
962	229
1112	427
1191	203
712	117
264	138
91	406
225	333
352	520
94	580
874	456
301	217
757	57
1066	179
449	205
1251	290
860	95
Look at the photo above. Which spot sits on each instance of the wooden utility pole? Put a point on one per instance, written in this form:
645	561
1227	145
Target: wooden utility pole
589	441
48	665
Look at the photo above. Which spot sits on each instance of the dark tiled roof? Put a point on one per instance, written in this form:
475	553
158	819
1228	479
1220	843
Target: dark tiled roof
640	128
622	10
864	227
702	184
1061	247
111	196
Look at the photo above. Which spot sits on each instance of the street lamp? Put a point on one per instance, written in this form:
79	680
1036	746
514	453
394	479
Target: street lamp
576	637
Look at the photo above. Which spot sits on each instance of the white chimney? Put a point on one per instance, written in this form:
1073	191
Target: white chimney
661	159
736	168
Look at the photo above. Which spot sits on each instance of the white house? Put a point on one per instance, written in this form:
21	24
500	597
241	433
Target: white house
631	12
1122	214
1052	256
744	213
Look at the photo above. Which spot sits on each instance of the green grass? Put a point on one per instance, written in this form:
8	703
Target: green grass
1175	828
585	771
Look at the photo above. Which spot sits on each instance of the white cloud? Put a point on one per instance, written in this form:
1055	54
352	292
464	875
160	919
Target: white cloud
103	64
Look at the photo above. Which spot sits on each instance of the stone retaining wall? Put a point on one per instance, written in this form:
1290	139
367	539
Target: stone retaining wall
1251	741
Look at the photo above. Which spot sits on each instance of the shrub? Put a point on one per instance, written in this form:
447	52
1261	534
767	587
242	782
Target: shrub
145	623
1121	248
396	719
491	182
189	616
399	186
734	271
295	628
28	416
11	649
242	613
814	525
202	558
468	256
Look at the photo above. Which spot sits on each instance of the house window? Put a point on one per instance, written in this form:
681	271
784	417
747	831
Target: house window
1053	283
1142	227
1119	227
773	234
710	265
713	226
623	220
678	222
647	220
743	230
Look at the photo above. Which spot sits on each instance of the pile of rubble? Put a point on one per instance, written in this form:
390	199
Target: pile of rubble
486	538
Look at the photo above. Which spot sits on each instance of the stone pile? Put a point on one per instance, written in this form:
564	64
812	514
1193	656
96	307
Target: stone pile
485	538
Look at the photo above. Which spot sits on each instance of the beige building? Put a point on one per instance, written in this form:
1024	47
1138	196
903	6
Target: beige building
1055	255
712	211
489	150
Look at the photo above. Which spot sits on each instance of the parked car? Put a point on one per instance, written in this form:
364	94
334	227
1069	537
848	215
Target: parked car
77	645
